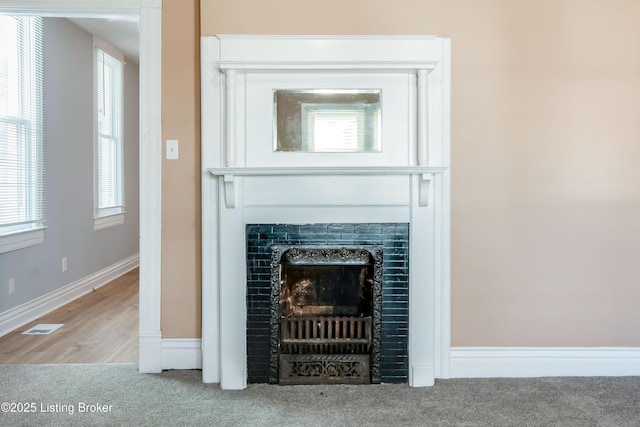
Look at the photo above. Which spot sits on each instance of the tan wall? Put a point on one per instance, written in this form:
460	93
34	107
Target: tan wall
181	232
546	138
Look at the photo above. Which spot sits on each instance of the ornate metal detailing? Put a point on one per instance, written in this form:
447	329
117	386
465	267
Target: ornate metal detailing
324	369
274	339
298	256
318	255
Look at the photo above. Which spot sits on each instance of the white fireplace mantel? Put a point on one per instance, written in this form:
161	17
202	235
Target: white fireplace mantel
245	182
425	172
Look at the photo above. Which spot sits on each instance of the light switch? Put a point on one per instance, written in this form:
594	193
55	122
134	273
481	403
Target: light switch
172	149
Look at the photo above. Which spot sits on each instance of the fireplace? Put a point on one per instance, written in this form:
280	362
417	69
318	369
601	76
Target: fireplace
267	197
325	314
292	271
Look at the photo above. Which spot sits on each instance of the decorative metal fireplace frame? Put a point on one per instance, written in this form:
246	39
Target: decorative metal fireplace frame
353	368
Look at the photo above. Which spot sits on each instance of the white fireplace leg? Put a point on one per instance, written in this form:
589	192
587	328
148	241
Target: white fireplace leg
233	298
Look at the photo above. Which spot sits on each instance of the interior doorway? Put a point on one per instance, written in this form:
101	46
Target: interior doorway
149	13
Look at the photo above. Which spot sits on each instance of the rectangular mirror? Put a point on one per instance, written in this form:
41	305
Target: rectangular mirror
328	120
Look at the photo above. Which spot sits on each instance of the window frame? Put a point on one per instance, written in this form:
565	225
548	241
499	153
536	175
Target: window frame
105	217
29	231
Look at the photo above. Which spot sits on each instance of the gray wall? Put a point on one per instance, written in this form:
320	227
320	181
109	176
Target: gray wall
68	117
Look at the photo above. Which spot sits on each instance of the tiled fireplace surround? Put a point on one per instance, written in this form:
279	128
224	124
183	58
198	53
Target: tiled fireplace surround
254	198
394	240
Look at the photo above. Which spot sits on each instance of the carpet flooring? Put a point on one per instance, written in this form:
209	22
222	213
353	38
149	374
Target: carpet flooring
116	394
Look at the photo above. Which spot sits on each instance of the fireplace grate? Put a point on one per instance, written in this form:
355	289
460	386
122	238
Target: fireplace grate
325	335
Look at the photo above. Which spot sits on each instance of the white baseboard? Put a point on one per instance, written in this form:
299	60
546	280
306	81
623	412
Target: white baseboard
181	353
466	362
521	362
16	317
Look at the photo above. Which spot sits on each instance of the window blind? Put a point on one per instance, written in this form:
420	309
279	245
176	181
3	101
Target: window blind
338	128
109	156
335	129
22	168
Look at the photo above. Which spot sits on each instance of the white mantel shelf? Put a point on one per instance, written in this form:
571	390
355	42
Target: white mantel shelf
333	170
229	174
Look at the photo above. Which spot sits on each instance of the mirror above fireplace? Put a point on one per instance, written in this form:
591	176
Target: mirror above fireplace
327	120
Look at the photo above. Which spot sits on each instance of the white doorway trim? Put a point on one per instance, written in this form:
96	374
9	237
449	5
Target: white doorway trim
150	15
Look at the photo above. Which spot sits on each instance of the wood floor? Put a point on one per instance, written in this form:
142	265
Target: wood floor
100	327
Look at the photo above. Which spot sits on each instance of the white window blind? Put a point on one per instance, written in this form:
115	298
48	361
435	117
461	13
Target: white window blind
22	192
345	128
109	173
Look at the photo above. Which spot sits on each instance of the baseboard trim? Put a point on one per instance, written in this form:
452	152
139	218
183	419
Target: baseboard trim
181	353
523	362
16	317
470	362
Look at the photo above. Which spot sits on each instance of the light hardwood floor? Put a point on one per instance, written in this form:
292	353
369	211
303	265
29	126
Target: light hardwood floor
100	327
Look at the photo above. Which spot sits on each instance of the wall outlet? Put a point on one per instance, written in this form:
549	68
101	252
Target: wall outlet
64	264
12	286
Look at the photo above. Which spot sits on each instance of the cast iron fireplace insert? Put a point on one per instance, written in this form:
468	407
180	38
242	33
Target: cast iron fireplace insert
325	314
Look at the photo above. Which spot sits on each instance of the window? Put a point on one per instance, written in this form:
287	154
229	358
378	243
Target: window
108	168
22	207
340	128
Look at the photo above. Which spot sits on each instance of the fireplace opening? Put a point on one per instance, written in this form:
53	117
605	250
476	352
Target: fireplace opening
326	304
325	290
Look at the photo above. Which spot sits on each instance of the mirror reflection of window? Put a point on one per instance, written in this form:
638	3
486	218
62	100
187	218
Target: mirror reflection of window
330	121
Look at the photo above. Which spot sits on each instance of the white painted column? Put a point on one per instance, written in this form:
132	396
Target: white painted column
230	131
423	125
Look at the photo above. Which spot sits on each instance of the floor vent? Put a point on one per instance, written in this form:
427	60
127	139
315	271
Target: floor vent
43	329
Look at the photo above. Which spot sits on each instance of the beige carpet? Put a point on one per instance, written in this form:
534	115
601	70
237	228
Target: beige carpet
87	395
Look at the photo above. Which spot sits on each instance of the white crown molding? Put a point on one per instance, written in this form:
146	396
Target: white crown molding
349	53
349	66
